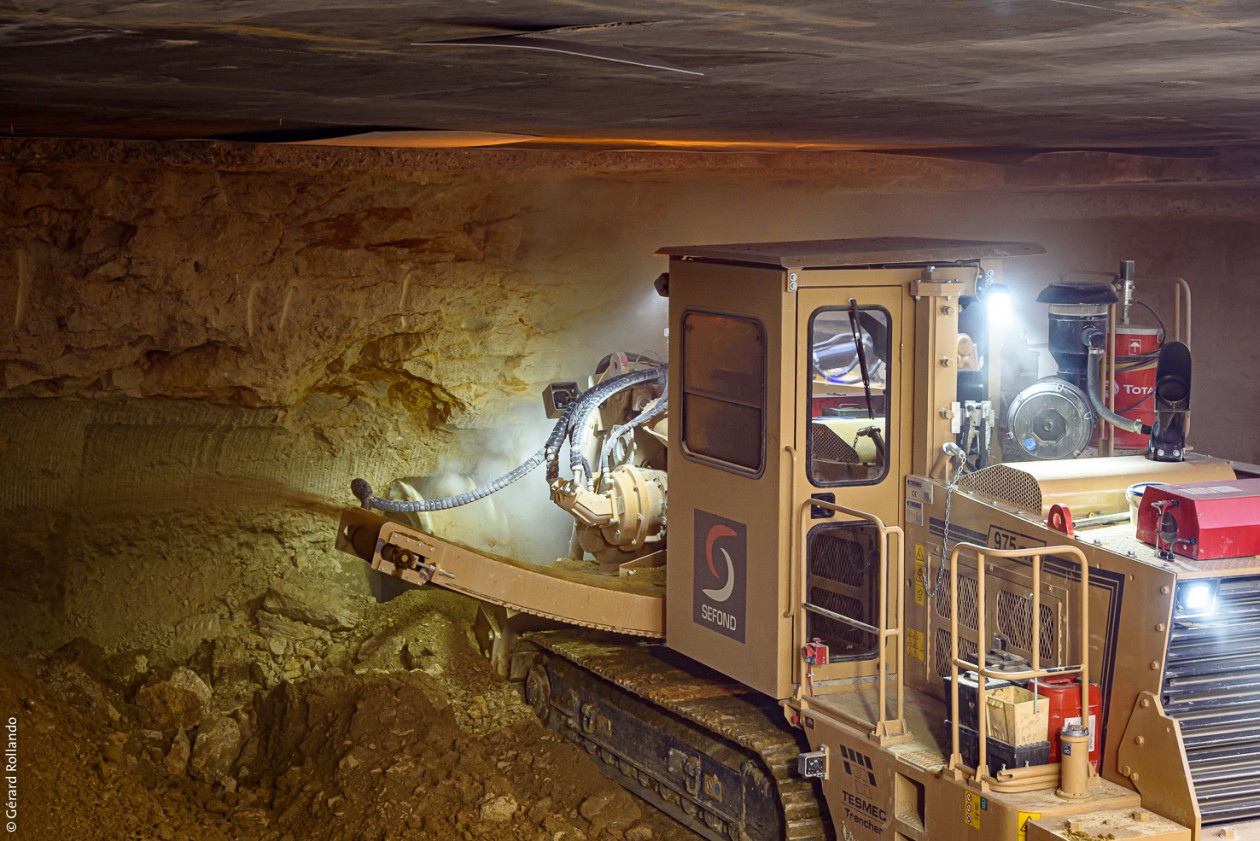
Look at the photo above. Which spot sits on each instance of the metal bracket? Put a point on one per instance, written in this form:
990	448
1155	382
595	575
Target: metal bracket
1152	755
937	288
408	559
687	767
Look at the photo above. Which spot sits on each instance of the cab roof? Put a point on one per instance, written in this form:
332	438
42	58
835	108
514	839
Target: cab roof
835	253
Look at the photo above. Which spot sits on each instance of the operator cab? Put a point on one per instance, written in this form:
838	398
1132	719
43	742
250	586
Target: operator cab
796	417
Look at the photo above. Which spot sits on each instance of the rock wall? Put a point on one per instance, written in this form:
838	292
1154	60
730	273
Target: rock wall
208	342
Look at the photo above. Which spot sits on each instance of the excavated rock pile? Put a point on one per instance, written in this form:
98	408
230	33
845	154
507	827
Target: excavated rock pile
321	717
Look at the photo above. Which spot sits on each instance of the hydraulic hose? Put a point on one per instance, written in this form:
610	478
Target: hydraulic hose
583	406
1093	388
586	407
363	491
617	431
551	451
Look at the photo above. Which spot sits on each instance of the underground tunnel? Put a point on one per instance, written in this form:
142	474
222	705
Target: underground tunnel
208	342
364	363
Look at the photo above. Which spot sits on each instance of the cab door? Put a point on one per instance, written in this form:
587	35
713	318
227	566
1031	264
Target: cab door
852	436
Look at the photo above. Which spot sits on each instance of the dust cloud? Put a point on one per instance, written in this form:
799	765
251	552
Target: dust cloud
519	521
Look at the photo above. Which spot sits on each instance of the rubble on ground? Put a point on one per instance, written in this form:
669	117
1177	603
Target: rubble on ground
314	718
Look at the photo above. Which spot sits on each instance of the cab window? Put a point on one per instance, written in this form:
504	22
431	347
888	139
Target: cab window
849	349
724	390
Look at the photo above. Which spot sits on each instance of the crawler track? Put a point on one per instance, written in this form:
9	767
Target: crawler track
712	753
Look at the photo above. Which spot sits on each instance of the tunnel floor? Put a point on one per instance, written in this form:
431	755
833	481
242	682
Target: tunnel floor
325	717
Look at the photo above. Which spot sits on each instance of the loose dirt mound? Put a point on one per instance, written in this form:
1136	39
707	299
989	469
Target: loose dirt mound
393	729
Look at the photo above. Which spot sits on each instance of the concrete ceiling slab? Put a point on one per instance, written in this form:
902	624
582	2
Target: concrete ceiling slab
1025	74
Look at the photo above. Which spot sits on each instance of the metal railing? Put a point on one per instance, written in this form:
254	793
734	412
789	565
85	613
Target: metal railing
882	726
981	669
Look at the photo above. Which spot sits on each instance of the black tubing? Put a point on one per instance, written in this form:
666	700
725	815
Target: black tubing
584	406
363	491
598	395
617	431
554	441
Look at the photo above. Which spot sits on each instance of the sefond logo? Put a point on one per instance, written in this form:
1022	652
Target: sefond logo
723	593
720	584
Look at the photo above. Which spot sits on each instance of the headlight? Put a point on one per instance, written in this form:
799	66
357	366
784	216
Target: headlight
1196	598
999	306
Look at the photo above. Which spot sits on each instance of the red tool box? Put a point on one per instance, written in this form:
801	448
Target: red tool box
1202	520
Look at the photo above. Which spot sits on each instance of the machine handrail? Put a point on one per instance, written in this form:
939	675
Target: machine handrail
1036	554
840	617
883	632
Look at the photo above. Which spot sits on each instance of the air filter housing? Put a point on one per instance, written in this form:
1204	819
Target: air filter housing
1073	307
1050	419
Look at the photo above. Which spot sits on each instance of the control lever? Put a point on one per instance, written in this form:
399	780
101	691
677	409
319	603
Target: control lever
1166	527
877	439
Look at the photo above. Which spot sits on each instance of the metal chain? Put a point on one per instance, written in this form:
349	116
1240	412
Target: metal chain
950	484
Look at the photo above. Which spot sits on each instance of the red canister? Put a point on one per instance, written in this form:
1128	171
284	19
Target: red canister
1135	386
1064	695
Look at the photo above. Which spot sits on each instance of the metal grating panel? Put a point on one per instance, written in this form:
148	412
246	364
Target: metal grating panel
941	660
1049	634
967	601
967	650
828	446
942	600
837	603
968	615
845	640
838	559
1014	621
1005	484
843	560
1212	687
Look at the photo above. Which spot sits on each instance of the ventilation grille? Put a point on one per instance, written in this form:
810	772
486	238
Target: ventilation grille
828	446
838	559
967	650
1014	621
1005	484
845	640
1212	687
968	598
1008	614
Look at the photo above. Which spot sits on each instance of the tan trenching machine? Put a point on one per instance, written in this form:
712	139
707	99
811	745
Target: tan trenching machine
894	551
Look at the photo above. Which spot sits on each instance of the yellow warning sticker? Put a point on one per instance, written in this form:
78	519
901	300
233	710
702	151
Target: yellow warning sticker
914	644
1024	818
971	810
920	566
